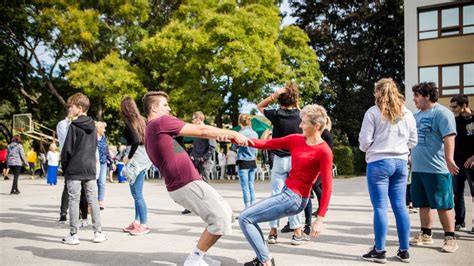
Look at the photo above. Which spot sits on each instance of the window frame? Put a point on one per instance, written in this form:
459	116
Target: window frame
439	83
440	30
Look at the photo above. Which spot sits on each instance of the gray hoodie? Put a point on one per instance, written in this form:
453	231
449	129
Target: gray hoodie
16	155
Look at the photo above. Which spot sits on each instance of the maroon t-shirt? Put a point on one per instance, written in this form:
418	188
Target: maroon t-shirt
166	153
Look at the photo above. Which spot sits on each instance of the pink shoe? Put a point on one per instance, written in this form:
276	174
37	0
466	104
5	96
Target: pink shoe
130	227
140	229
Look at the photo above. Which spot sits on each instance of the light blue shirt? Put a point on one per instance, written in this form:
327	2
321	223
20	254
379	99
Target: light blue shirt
247	153
61	131
432	126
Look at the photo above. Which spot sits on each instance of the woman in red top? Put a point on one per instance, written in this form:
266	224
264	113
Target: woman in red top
310	157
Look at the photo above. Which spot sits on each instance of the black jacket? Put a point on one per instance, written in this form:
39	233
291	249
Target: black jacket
78	156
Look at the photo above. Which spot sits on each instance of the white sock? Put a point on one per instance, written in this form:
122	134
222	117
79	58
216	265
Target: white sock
197	253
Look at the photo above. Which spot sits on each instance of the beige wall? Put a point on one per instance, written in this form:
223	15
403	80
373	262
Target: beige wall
447	99
443	51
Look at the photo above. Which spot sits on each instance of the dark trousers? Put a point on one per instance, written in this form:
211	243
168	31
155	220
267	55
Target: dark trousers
459	182
83	205
16	174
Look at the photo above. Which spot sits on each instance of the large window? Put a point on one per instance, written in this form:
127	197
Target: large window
452	79
446	21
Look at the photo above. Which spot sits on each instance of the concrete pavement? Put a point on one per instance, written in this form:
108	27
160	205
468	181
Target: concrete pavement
30	233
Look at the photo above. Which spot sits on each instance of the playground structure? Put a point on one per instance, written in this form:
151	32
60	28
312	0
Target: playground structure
23	124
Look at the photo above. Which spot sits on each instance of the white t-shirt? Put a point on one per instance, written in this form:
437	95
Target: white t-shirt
53	158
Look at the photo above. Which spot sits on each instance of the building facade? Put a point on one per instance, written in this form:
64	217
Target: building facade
439	47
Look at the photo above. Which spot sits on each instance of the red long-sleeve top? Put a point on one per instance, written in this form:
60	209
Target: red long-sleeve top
307	163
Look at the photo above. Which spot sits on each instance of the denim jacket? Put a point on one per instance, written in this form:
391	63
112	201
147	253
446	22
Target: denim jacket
247	153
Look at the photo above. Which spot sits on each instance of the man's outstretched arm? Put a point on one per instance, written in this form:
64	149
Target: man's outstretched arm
210	132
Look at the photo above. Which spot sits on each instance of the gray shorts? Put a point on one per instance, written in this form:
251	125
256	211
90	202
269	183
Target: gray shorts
203	200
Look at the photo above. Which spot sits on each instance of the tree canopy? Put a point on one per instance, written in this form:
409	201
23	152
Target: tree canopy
358	43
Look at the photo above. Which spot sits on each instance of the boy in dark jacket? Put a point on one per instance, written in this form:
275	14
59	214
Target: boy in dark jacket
78	161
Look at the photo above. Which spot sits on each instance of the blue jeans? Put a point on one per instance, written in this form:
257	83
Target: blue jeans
277	206
137	193
102	174
247	178
387	179
281	169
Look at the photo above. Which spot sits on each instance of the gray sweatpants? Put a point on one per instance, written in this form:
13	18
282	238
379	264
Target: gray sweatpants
74	191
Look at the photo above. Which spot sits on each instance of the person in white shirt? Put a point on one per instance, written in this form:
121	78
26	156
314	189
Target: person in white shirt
388	133
53	162
222	161
231	161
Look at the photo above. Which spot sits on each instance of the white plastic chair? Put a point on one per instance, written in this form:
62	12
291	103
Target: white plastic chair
262	172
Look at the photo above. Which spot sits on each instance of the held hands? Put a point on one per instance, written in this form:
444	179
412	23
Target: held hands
242	140
316	228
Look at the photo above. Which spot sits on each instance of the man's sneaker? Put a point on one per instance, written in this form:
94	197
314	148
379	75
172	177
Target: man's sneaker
194	261
71	239
211	261
373	255
62	219
256	262
298	240
421	240
130	227
450	244
459	227
403	255
84	223
140	230
286	229
307	229
99	237
6	178
186	211
412	210
472	230
272	239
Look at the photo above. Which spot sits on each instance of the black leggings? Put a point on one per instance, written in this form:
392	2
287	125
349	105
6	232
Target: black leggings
16	174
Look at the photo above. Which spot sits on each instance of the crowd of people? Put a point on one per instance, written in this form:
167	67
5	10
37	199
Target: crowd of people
433	146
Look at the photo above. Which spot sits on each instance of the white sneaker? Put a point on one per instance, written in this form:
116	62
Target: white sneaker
195	261
99	237
71	239
211	261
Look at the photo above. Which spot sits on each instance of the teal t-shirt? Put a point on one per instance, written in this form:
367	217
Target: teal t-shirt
432	126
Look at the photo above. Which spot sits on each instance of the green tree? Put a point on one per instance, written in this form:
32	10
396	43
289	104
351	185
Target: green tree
214	54
358	42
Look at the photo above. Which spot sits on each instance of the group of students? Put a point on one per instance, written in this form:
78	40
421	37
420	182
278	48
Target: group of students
302	162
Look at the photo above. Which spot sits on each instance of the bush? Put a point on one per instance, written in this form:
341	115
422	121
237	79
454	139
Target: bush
359	161
344	160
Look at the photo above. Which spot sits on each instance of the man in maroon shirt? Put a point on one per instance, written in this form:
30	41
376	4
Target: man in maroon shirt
183	182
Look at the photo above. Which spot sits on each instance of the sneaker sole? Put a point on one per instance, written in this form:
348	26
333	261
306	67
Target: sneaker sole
271	242
140	234
403	260
73	243
298	243
381	261
449	251
422	243
99	241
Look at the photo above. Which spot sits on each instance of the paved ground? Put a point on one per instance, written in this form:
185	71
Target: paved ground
30	233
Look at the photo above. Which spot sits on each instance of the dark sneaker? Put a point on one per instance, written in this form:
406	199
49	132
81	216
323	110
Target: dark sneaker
403	255
459	227
373	255
299	240
307	229
186	211
286	228
62	219
256	262
6	178
272	239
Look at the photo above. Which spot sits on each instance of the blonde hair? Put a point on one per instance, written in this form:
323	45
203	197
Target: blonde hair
244	120
328	124
389	100
316	115
199	115
52	146
100	124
